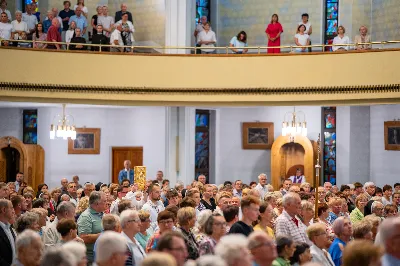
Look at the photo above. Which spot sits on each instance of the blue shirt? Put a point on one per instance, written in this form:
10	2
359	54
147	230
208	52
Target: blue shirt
80	22
46	25
331	218
336	252
123	175
389	260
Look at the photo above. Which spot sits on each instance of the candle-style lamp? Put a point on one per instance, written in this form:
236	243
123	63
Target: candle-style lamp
317	180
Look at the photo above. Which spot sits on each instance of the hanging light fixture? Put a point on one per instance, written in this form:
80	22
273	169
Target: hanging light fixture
64	127
294	126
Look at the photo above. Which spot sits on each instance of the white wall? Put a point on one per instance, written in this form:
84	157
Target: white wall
141	126
385	165
236	163
343	144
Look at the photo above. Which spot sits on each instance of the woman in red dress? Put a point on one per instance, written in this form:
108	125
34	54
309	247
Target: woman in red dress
274	31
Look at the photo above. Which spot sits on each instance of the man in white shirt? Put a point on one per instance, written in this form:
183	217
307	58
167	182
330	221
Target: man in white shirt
31	21
106	21
154	204
3	8
121	193
51	237
116	39
318	236
5	29
18	27
55	14
200	26
262	185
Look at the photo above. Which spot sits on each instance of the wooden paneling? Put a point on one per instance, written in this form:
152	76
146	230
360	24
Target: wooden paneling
285	155
31	160
120	154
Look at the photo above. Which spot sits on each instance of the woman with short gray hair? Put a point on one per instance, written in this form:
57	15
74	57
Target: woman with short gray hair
234	251
28	220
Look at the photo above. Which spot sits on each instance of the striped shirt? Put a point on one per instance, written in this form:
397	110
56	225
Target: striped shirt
286	226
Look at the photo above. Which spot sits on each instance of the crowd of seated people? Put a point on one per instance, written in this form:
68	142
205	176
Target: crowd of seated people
228	224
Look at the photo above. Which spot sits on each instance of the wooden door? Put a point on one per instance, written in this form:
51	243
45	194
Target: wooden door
120	154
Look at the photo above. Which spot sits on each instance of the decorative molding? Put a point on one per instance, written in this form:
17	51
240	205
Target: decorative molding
59	88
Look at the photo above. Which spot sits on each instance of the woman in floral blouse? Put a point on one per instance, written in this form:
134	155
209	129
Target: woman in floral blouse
186	220
215	228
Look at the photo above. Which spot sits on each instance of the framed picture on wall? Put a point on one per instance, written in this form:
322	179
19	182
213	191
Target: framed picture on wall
87	141
392	135
257	135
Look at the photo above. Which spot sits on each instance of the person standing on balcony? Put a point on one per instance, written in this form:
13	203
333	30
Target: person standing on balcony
53	35
207	39
363	38
124	9
65	16
3	8
106	21
5	29
305	22
274	31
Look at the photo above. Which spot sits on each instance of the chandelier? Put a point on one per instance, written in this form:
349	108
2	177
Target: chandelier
294	125
64	127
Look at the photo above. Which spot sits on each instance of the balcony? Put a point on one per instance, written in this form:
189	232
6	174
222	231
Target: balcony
351	78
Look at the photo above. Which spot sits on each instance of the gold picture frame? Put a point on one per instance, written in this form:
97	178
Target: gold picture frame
87	141
392	135
257	135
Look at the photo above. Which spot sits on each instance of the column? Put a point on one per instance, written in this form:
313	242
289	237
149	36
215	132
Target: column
178	22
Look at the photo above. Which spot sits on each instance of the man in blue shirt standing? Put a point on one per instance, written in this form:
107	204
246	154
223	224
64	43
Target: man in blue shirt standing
126	173
79	20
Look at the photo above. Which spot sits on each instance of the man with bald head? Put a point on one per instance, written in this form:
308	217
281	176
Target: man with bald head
64	186
124	10
79	19
126	173
53	35
262	247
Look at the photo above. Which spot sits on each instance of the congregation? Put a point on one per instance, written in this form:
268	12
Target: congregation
72	26
232	224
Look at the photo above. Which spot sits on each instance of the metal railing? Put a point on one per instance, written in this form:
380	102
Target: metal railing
196	50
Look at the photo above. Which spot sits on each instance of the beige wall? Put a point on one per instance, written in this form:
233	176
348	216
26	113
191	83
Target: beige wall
385	20
223	72
254	16
148	16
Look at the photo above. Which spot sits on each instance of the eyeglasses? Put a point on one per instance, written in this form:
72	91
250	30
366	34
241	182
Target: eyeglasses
134	220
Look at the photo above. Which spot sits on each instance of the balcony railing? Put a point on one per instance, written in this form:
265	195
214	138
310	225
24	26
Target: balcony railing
197	50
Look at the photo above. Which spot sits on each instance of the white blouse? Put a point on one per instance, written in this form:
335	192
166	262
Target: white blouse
339	40
84	9
68	36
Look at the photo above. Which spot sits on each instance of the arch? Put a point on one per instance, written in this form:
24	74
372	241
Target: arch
20	147
277	160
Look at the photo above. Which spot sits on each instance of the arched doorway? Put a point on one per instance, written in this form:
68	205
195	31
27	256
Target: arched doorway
287	156
9	166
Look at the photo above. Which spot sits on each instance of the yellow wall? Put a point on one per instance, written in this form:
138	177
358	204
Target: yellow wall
148	16
254	16
204	72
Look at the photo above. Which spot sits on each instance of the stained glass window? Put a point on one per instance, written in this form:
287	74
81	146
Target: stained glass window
202	144
331	21
30	126
202	9
329	140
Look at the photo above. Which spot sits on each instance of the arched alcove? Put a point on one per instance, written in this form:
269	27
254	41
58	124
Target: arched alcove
31	160
287	156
